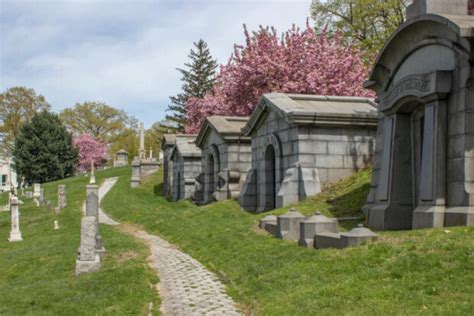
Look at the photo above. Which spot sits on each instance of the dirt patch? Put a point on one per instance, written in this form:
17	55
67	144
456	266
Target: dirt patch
125	256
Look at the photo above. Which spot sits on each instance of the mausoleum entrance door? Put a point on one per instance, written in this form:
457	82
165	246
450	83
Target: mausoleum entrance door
178	186
270	178
210	179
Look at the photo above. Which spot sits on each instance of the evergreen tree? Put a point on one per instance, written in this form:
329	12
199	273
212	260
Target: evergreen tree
44	149
198	78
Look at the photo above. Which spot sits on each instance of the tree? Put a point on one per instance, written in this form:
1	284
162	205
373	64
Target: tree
127	140
98	119
17	106
364	23
301	61
44	150
198	78
89	150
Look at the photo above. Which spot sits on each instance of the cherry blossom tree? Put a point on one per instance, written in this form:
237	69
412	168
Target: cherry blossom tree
300	61
90	149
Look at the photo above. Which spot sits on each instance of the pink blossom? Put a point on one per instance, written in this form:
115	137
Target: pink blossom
90	149
301	61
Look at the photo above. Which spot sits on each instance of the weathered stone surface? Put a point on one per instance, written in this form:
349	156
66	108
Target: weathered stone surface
300	142
87	259
267	219
423	176
92	200
328	240
135	180
167	145
36	190
288	225
313	225
62	200
15	233
357	236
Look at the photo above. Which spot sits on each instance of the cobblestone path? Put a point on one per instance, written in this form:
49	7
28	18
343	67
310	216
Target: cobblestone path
186	287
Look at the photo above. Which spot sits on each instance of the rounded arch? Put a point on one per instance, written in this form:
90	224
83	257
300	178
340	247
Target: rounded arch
412	36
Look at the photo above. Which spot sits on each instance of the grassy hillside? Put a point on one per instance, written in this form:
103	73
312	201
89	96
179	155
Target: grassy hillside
414	272
37	274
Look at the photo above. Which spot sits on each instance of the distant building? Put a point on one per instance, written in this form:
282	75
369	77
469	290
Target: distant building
8	174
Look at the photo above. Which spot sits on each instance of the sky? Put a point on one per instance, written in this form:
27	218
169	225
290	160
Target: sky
123	52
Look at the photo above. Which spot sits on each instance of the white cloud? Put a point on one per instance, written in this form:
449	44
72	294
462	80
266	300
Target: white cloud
122	52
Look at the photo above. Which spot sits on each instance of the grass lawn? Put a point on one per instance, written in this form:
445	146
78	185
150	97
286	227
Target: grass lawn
412	272
37	274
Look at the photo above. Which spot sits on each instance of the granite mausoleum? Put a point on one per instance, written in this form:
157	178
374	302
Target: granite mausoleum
300	142
186	159
167	145
121	158
424	163
225	158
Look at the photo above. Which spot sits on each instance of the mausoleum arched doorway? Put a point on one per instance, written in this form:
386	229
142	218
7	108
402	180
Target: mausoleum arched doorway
270	178
212	173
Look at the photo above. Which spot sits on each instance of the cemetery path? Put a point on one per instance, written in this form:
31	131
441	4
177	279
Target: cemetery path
186	287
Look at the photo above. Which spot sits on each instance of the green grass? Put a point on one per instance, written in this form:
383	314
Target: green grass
413	272
37	274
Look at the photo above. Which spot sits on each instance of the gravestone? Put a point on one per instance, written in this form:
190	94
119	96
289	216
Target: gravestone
354	237
36	193
56	225
42	200
269	223
15	233
92	209
88	260
313	225
424	78
62	202
135	180
288	225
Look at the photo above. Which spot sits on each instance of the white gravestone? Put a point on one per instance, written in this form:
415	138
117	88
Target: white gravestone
15	234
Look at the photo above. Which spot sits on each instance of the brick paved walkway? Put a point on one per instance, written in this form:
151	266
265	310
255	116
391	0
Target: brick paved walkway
186	287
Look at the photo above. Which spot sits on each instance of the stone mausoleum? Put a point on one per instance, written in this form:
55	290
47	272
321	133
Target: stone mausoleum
167	145
186	160
225	158
300	142
424	78
121	158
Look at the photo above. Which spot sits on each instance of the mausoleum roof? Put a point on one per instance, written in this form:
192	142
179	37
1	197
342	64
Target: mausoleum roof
168	140
228	127
302	109
186	146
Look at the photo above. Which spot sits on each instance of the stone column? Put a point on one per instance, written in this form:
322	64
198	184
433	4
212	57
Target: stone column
62	203
142	142
92	209
42	199
135	181
15	234
88	260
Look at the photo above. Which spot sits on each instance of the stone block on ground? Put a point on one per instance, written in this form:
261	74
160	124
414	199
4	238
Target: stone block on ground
357	236
313	225
288	225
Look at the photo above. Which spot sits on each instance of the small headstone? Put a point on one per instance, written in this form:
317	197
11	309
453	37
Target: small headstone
357	236
15	233
317	223
56	225
92	209
135	180
36	190
288	225
92	180
62	203
88	260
